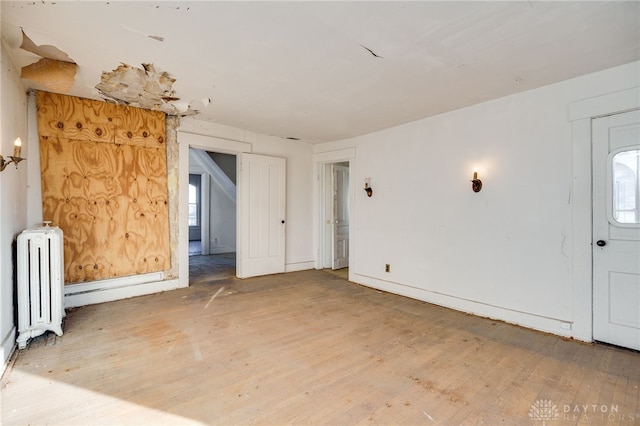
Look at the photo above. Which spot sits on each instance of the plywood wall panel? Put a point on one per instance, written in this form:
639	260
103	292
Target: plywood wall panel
140	127
111	202
75	118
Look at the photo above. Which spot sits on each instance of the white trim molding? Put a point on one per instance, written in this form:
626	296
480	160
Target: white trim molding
559	326
320	160
212	143
7	348
612	103
299	266
188	140
581	113
115	289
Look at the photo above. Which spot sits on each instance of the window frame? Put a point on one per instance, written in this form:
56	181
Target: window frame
610	188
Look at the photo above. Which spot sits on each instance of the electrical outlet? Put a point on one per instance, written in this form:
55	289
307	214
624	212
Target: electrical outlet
387	268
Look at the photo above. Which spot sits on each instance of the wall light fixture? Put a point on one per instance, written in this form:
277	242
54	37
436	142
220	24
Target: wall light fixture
367	187
15	158
476	184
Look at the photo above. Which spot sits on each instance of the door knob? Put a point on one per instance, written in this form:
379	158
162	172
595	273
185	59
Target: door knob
601	243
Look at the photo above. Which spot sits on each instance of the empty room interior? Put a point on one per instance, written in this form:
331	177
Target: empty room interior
389	212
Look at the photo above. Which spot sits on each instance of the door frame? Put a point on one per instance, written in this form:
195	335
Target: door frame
610	261
323	200
581	115
188	140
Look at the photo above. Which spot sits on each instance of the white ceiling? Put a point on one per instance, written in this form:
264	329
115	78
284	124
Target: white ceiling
304	69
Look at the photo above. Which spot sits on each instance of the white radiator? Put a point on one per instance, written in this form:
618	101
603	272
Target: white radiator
40	283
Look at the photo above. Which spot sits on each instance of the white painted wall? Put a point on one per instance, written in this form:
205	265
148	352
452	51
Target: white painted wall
13	188
506	252
299	160
222	221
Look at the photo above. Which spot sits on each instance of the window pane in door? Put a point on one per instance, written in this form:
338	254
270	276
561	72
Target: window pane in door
626	186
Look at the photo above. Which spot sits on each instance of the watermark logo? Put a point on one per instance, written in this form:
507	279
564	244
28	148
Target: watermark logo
544	410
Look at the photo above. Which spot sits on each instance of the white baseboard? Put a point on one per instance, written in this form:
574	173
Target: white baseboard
7	348
299	266
116	289
560	327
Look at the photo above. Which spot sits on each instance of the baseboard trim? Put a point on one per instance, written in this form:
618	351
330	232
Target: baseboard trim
7	349
560	327
81	295
299	266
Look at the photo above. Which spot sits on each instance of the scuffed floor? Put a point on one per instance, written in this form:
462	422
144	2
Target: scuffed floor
212	267
310	348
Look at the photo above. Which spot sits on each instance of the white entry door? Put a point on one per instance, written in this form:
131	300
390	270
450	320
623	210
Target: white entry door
340	216
616	229
261	229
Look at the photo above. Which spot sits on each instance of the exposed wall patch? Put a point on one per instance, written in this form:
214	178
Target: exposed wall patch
57	76
56	71
143	88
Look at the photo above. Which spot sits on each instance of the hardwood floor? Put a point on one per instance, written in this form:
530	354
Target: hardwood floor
211	267
309	348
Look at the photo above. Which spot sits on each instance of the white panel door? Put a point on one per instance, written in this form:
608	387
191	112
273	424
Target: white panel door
340	216
616	229
261	206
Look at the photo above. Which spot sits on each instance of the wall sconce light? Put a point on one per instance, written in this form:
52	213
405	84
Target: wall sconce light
15	158
367	187
476	184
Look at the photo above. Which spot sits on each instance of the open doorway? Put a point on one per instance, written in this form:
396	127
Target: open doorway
212	215
195	214
336	213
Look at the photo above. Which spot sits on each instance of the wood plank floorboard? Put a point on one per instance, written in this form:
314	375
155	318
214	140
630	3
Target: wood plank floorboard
308	348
